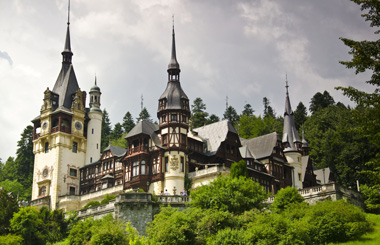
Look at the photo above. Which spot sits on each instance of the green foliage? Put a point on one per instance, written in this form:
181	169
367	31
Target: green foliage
239	169
231	115
199	116
8	206
106	130
28	225
248	111
286	197
120	142
268	110
253	126
128	122
117	131
320	101
212	119
234	195
91	204
107	199
144	115
11	239
300	115
228	236
12	186
371	196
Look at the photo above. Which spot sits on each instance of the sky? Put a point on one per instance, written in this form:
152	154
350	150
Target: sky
240	49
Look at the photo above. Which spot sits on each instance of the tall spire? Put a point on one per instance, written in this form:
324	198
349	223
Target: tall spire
173	67
67	54
290	135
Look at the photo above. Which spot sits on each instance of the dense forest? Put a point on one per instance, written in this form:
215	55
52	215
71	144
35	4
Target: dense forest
345	139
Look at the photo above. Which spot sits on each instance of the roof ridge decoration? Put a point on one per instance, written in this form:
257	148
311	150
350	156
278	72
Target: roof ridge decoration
290	135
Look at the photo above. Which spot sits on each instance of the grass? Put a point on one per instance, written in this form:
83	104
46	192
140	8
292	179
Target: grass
371	238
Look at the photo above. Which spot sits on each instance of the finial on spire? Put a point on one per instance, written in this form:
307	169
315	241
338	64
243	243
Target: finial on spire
286	82
68	14
95	80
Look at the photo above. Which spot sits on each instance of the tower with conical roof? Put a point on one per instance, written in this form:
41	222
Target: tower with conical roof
65	137
173	114
292	142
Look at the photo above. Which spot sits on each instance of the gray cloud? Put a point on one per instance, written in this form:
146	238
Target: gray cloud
5	55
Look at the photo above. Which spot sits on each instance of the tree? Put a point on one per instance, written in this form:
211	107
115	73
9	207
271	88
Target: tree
286	197
144	115
24	162
199	116
320	101
9	205
106	130
300	115
234	195
212	119
248	111
128	122
268	110
117	131
239	169
27	224
231	115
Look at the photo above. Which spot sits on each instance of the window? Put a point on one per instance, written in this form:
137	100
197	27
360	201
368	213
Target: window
182	164
166	164
73	172
90	159
183	118
163	118
45	172
299	177
174	117
72	190
127	173
183	139
164	139
143	167
46	147
135	169
42	191
97	146
92	131
75	147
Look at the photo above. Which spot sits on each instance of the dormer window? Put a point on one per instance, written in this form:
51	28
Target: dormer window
174	117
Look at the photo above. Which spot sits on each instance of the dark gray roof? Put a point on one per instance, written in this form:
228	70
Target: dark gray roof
66	84
215	134
262	146
290	134
323	173
145	127
173	64
117	151
304	161
174	95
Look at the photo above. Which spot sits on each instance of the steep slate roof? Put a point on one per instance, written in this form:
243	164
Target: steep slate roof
319	174
117	151
262	146
145	127
290	134
174	94
215	134
245	152
305	161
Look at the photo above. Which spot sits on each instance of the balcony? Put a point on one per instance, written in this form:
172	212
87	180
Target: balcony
137	149
208	171
41	202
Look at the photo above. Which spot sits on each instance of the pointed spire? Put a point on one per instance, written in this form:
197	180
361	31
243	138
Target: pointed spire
290	135
67	54
173	65
304	141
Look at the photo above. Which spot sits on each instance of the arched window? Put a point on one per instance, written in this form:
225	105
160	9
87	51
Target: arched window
143	167
42	191
46	147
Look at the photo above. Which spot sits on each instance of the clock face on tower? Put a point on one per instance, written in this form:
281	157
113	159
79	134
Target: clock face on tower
78	125
44	126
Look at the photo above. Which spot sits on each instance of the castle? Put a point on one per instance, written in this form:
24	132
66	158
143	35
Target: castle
70	170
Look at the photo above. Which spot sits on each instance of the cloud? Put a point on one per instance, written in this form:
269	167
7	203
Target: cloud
5	55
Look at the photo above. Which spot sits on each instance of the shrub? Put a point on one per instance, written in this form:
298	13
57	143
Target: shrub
284	198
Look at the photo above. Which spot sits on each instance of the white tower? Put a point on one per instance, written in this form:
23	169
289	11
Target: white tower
94	126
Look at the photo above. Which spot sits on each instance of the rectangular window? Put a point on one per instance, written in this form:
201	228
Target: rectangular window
72	190
46	147
299	177
136	170
166	164
92	131
75	147
182	164
164	139
183	118
73	172
174	117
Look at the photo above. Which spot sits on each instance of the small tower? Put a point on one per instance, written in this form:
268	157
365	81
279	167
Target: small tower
292	142
94	127
173	114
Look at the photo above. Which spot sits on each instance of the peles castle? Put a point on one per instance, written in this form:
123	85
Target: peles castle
70	171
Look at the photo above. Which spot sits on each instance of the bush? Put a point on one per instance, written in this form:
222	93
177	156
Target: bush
91	204
235	195
11	240
284	198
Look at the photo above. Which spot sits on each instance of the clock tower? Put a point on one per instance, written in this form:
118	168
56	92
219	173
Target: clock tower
66	137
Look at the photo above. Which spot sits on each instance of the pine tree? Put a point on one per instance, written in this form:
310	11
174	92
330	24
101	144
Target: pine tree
106	130
231	115
128	122
199	116
117	131
248	111
300	115
144	115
